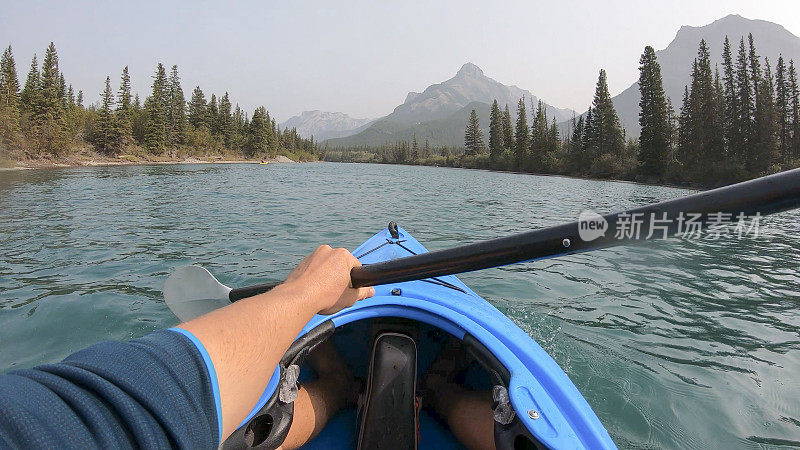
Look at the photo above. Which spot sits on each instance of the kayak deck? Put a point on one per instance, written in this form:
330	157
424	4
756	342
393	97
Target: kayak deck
546	402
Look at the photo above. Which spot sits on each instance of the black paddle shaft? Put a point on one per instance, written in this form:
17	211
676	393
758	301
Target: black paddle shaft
761	196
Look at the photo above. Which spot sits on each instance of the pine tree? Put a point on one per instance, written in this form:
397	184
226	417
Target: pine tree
730	107
139	121
71	97
275	142
755	67
49	117
522	137
197	108
575	148
754	138
720	94
62	91
9	98
400	153
508	130
653	117
124	113
124	98
156	107
684	126
426	148
107	134
783	109
554	138
275	136
767	121
79	99
473	136
72	122
258	133
212	116
761	151
743	126
587	142
794	99
29	97
51	108
414	149
495	132
539	136
238	121
606	132
672	120
9	84
225	125
176	110
705	146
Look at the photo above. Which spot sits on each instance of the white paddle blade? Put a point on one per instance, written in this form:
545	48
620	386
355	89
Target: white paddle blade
192	291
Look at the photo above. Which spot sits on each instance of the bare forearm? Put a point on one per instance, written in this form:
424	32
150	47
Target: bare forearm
246	340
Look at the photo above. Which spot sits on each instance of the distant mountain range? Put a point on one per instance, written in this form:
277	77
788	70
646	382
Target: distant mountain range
770	40
325	125
439	113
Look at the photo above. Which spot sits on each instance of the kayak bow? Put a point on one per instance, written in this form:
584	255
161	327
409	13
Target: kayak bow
549	410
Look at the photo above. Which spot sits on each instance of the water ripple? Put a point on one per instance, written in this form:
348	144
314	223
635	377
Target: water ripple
679	344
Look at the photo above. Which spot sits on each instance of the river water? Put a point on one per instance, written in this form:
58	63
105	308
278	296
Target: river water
675	344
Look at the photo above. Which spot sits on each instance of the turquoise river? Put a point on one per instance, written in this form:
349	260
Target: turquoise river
675	344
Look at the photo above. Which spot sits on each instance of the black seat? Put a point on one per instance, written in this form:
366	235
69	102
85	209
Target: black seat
389	415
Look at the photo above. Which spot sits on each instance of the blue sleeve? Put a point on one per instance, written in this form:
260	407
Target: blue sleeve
158	391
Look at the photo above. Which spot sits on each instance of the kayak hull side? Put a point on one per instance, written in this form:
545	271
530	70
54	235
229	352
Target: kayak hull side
565	419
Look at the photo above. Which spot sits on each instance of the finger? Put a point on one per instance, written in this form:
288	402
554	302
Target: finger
344	254
364	292
355	262
347	256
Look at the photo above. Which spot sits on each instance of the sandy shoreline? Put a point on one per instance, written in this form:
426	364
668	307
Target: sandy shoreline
130	160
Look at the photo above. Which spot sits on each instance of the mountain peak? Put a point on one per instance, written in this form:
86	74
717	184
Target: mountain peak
732	24
732	17
470	69
439	112
442	100
324	124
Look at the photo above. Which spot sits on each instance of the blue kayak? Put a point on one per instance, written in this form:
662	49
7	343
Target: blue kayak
536	405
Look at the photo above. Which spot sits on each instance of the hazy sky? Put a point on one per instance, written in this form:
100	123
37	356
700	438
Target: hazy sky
363	57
